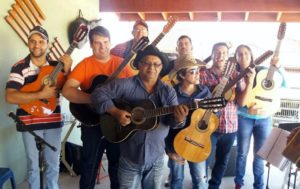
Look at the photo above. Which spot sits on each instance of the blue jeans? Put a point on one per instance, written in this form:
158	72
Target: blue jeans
93	146
51	174
131	174
260	128
221	144
197	171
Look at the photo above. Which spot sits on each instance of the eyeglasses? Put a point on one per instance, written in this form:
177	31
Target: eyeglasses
193	71
147	64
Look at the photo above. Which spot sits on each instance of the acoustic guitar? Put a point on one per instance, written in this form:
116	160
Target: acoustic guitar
84	112
266	92
144	116
292	150
228	91
50	75
193	143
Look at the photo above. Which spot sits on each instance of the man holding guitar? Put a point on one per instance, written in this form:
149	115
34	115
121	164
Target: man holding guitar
186	69
142	155
139	30
253	120
100	63
223	138
48	127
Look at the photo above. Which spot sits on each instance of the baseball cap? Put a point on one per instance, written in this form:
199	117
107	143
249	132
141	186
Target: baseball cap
140	22
38	30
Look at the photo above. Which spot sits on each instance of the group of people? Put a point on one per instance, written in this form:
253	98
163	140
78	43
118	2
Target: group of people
139	160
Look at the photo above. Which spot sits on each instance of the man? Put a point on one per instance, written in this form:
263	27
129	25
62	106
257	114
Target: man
48	127
140	29
222	139
100	63
142	154
188	89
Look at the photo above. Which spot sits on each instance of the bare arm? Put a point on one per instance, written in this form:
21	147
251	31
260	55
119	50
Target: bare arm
14	96
72	92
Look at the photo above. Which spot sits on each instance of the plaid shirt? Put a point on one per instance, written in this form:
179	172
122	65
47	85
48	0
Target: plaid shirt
123	49
228	115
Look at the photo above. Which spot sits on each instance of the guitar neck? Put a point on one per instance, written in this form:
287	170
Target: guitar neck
168	110
221	86
158	39
240	76
58	68
273	68
121	67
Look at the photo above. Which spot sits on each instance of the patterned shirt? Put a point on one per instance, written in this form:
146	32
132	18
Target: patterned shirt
228	115
25	72
123	49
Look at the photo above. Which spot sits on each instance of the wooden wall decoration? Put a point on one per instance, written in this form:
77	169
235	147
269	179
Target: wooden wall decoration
25	15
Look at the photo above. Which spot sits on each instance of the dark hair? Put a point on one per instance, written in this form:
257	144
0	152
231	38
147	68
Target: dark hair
243	46
180	73
216	45
98	30
184	36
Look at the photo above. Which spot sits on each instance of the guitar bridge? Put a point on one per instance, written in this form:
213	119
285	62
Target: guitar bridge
263	99
189	140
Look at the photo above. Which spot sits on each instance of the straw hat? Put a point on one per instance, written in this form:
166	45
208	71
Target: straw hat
183	62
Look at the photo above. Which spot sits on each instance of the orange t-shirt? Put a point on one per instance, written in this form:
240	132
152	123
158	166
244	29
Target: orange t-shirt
89	68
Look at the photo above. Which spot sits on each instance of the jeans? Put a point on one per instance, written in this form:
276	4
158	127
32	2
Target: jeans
93	146
51	158
197	171
221	144
131	175
260	128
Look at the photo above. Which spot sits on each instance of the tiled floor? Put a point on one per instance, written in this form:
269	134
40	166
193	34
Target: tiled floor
276	179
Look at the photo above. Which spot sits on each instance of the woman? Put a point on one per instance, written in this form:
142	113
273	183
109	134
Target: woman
251	121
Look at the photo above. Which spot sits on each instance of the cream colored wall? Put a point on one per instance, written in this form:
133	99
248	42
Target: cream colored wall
59	14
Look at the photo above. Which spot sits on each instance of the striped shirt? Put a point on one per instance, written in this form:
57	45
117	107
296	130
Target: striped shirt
228	115
25	72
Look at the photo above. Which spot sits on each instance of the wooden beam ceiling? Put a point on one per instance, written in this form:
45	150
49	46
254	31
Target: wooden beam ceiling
205	10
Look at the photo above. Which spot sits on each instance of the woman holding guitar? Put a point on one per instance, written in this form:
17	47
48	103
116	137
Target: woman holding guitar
251	121
186	70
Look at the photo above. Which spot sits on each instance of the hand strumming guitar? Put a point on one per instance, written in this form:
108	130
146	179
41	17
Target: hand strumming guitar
122	116
48	91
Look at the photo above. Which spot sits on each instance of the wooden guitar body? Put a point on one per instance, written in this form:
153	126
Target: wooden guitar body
266	94
114	132
84	113
42	107
292	150
193	143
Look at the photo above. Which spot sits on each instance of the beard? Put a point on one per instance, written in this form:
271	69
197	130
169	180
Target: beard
37	53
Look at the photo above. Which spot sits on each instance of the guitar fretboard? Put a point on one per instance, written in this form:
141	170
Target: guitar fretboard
58	68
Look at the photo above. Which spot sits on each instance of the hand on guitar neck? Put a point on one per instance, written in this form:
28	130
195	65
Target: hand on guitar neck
275	62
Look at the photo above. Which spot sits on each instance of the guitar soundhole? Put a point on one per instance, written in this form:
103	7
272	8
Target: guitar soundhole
267	84
202	125
138	115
